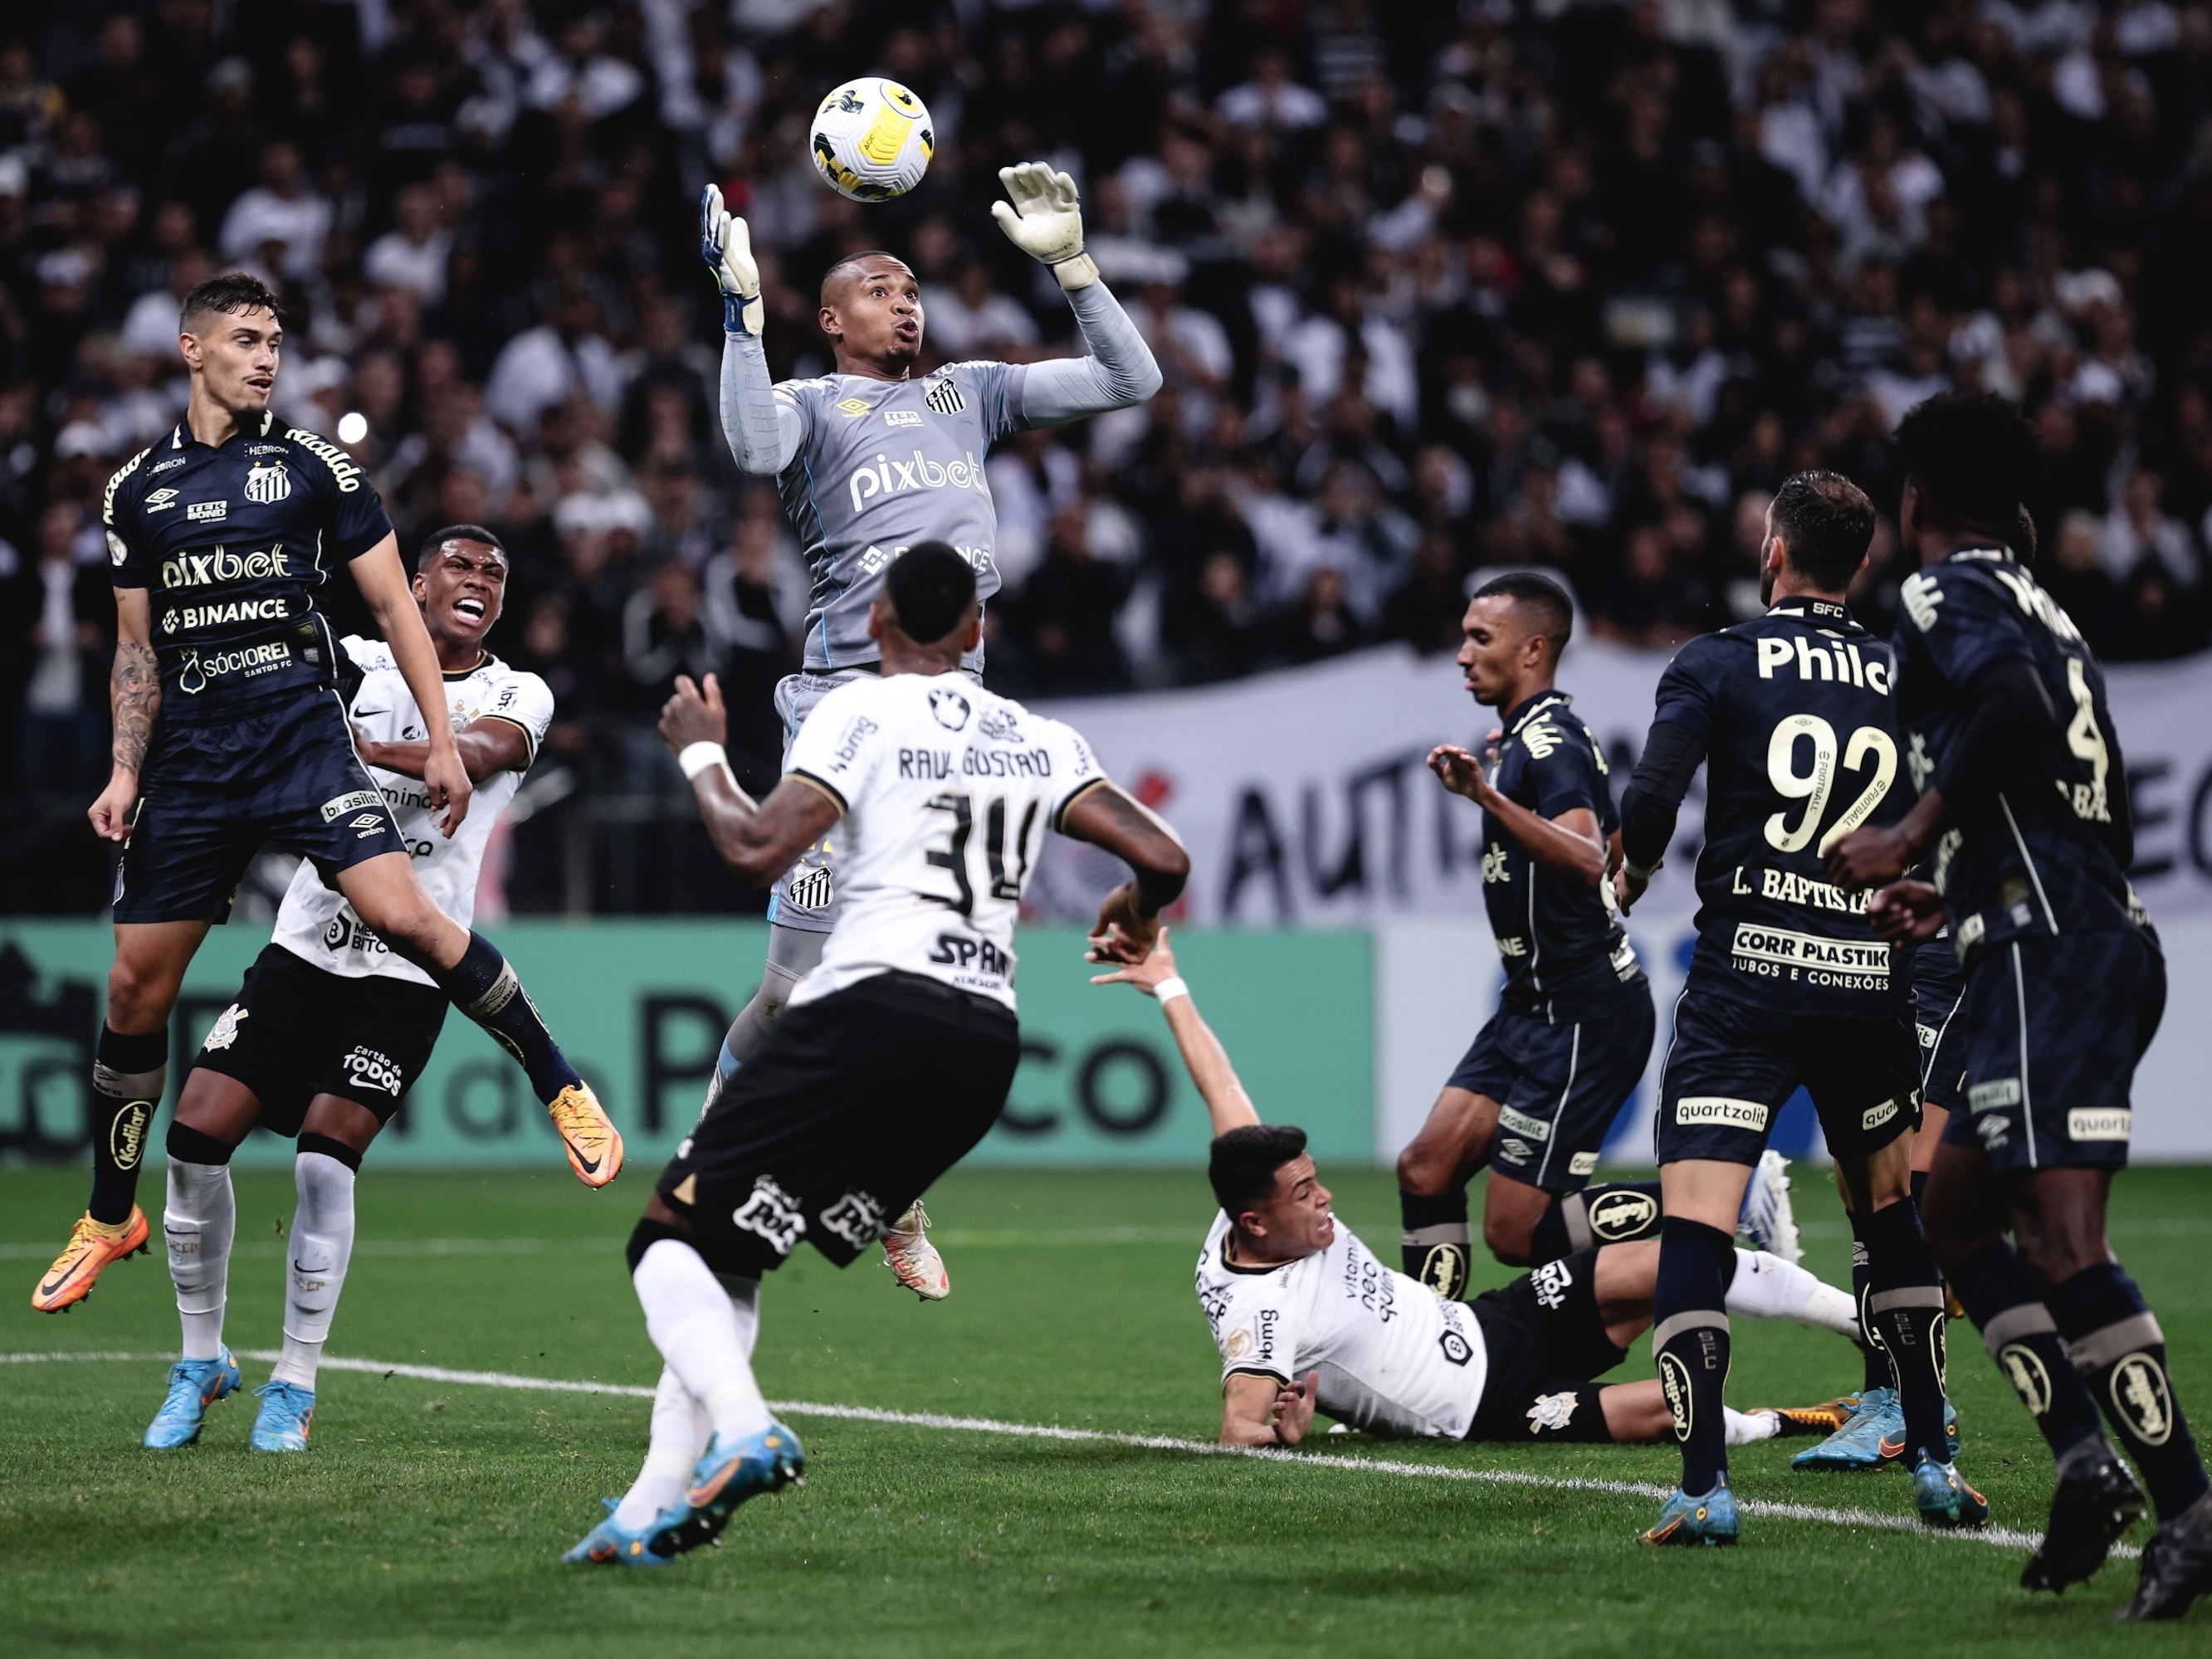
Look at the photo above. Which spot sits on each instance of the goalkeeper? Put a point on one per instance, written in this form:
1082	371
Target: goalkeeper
871	460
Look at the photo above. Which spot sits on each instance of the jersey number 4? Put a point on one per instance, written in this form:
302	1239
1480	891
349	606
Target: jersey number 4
1816	786
953	856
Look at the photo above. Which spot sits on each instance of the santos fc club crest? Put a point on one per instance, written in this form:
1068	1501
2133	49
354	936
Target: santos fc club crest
267	484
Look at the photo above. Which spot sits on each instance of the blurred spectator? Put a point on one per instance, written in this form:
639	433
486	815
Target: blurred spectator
64	653
1318	623
1065	617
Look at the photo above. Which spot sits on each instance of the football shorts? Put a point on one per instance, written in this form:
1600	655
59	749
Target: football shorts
1938	982
1560	1084
1547	1344
803	895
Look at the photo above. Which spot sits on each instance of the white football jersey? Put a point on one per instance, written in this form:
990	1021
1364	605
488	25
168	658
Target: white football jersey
1395	1358
947	791
318	927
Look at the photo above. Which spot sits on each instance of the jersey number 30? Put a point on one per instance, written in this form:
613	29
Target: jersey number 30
953	856
1814	787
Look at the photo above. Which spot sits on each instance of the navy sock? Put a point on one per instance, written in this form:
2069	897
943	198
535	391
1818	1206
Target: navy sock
1903	1316
1878	1374
482	987
2120	1352
1435	1244
128	1076
2021	1336
1690	1340
1610	1212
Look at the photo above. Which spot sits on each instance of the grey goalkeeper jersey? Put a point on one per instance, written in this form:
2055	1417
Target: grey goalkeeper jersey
867	468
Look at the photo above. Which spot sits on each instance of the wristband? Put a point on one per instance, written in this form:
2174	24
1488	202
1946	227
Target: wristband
1168	989
1637	872
697	757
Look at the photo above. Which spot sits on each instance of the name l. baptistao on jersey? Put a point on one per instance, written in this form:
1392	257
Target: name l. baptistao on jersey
1394	1357
231	544
316	924
2049	854
1555	935
947	790
1796	713
881	466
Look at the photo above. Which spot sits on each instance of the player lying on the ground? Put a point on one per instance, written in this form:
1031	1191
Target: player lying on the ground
1306	1318
871	460
2023	807
227	735
895	1054
331	1028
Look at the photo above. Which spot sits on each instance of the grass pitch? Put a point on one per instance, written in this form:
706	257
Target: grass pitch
429	1515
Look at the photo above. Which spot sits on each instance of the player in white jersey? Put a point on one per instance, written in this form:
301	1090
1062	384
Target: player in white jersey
895	1054
332	1027
1306	1317
873	459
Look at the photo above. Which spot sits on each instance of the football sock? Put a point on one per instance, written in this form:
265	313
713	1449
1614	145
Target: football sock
315	1260
483	987
1903	1316
793	953
198	1222
128	1076
1764	1286
680	1433
1690	1339
2120	1352
1878	1373
1435	1243
688	1313
1611	1213
1744	1427
2023	1338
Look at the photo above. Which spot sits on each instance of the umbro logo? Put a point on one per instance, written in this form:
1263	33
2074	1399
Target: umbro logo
366	820
161	500
852	408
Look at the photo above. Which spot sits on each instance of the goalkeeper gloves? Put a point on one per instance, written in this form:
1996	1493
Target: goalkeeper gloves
728	247
1046	221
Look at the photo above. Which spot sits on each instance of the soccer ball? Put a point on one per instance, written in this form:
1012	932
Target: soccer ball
871	140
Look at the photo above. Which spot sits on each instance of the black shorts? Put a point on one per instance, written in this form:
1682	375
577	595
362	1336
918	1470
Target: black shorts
1560	1084
1732	1066
210	795
1938	982
2053	1030
1546	1345
296	1032
846	1113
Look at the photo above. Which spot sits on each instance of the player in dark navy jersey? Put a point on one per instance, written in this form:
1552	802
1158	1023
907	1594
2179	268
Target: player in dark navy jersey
1536	1093
1793	716
2024	808
229	731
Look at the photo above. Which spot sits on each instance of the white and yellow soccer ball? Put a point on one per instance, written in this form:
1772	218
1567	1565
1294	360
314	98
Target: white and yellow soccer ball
871	140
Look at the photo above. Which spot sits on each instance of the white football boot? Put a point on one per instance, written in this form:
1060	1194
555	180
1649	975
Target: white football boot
913	1259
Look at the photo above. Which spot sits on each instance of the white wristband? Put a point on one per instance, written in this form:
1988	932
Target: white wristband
1168	989
697	757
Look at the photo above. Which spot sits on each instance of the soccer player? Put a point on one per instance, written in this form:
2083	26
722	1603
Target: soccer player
896	1052
1793	716
228	733
1306	1318
331	1028
1536	1093
873	459
2023	808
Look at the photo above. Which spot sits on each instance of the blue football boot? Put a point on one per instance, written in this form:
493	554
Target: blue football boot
1893	1439
287	1409
194	1385
733	1471
1711	1520
611	1543
1941	1495
1859	1443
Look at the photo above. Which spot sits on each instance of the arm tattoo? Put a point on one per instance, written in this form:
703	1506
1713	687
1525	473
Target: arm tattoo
137	689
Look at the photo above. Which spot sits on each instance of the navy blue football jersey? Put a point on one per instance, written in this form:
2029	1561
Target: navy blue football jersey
231	544
1555	934
1796	711
2049	852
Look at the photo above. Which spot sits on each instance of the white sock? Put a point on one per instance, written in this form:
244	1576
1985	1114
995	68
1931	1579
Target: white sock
198	1221
314	1263
681	1429
1767	1287
1744	1427
693	1322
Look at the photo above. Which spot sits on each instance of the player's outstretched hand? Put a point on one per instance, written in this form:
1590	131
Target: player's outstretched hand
1459	772
445	780
1148	975
726	245
1906	912
1869	857
1124	935
1294	1408
693	716
1043	216
111	812
1627	887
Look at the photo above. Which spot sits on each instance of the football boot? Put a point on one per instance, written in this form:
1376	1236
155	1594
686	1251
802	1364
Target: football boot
92	1245
194	1385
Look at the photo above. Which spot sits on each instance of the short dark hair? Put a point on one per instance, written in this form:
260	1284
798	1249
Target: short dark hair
1553	613
1972	456
231	293
459	532
1826	524
1242	1164
850	262
930	587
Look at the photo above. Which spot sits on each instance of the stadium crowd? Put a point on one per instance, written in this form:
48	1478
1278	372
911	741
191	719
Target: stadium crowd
1435	286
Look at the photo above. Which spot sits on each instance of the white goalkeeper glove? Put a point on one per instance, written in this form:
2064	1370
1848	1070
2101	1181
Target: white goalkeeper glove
728	247
1046	221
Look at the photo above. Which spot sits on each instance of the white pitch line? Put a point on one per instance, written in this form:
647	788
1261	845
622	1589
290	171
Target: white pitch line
2003	1537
